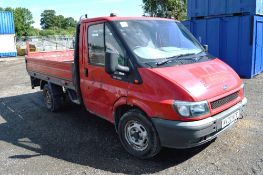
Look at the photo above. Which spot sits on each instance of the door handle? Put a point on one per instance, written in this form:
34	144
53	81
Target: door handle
86	72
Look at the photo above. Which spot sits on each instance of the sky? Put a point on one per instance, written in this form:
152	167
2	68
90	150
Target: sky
77	8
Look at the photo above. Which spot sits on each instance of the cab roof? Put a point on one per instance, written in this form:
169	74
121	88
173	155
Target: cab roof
116	18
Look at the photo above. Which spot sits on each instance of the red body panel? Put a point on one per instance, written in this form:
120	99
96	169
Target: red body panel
56	64
202	80
98	19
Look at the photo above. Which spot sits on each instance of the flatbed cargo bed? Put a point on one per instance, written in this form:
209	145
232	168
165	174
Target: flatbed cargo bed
55	66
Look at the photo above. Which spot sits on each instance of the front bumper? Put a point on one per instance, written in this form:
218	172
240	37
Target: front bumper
176	134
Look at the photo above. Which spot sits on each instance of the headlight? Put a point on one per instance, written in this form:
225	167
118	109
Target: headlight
191	109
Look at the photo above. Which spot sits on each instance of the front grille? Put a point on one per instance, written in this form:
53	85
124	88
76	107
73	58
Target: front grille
225	100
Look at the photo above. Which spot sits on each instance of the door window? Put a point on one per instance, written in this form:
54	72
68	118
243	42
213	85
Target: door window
96	44
113	46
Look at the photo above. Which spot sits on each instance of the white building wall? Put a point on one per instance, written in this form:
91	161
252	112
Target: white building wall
7	43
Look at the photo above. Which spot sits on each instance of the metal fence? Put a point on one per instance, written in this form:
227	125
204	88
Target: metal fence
47	43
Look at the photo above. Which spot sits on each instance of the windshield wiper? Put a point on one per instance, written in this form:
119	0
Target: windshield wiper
181	57
178	57
167	60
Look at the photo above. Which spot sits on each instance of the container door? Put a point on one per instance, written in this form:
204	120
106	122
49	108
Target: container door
230	41
199	30
259	48
241	6
216	7
213	36
197	8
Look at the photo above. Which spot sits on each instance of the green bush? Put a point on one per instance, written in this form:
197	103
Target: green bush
33	32
56	31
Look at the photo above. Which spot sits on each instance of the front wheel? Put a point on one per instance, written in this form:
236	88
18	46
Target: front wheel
138	135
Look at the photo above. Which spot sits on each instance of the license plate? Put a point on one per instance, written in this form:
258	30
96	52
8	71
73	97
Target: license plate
230	119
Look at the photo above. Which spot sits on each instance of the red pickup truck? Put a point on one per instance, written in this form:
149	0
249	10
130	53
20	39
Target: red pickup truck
148	76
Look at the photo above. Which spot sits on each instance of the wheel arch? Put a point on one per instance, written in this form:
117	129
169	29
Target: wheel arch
121	107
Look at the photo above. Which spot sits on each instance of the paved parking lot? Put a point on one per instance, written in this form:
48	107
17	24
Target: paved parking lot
36	141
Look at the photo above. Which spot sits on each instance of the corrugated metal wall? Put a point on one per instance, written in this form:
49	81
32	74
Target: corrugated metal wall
199	8
237	40
7	25
233	30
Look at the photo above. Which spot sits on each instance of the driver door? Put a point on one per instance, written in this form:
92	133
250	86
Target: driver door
101	89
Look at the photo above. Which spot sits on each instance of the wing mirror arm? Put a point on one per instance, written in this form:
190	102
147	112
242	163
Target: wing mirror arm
124	69
206	47
111	64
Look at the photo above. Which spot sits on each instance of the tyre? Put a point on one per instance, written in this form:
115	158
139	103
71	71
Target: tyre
138	135
53	97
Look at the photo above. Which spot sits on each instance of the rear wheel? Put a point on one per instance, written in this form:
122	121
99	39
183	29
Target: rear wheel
53	97
138	135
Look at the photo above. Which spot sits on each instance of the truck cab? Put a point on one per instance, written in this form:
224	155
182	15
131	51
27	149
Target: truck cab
149	77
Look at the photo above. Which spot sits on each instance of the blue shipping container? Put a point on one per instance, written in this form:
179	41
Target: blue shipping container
205	8
8	54
236	40
7	25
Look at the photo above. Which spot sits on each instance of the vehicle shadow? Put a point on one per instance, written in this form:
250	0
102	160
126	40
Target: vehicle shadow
76	136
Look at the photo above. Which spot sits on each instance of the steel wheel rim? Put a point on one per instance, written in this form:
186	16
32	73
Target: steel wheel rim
136	135
48	98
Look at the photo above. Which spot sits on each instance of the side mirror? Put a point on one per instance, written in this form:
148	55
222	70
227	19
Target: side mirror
205	47
111	64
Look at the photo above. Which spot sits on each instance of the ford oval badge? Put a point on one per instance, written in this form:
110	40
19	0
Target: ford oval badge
225	87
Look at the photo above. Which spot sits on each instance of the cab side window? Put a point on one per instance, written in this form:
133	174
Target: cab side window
113	46
96	44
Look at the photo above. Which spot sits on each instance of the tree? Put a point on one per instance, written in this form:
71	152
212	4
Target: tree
23	20
48	19
69	22
10	9
165	8
60	21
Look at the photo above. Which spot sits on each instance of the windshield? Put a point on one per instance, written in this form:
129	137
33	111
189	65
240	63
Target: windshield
152	40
